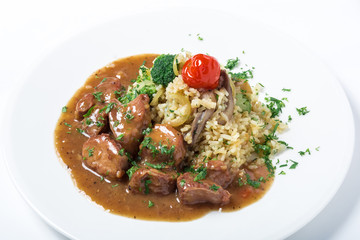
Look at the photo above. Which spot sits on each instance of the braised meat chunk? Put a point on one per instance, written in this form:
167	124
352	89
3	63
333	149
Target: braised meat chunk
101	153
218	172
204	191
107	89
149	180
95	120
128	122
83	105
163	144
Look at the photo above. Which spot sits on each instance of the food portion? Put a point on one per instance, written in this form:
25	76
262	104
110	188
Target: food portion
182	130
101	153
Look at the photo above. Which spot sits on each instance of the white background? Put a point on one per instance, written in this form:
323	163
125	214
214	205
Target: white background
330	29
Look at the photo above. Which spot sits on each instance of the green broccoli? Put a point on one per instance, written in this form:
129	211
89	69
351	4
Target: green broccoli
162	72
142	85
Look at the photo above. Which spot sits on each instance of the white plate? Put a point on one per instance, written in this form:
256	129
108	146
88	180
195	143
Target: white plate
280	62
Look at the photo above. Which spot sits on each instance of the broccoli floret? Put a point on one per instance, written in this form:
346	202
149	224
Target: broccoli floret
142	85
162	72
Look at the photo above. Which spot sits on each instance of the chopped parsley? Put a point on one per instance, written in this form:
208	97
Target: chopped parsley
317	149
120	137
199	38
148	143
128	156
79	130
275	106
131	170
272	135
121	152
147	182
286	90
214	187
232	63
182	182
99	124
88	121
302	111
284	143
294	165
282	173
66	124
116	123
108	108
302	153
253	183
240	76
147	131
167	151
151	204
90	151
156	166
89	112
97	96
289	118
202	172
104	79
64	109
115	185
128	115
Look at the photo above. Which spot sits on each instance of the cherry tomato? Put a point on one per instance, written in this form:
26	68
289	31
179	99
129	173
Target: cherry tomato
201	71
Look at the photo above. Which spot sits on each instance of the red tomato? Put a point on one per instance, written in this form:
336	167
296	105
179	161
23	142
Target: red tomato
201	71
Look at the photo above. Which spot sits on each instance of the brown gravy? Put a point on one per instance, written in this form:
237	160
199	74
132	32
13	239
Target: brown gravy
114	195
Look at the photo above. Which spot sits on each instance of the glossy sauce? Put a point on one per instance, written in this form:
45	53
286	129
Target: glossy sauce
114	195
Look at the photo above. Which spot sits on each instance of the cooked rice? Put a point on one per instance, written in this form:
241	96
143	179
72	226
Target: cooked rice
230	142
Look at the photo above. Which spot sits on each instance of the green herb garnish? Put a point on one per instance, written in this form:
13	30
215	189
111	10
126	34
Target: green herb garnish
156	166
151	204
90	151
275	106
294	165
182	182
302	111
253	183
214	187
202	172
302	153
97	96
89	112
120	137
147	182
232	63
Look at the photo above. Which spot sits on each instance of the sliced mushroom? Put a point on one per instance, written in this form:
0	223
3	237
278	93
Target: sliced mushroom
229	110
201	118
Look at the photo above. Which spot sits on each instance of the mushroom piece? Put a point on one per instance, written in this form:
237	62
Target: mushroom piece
225	83
201	118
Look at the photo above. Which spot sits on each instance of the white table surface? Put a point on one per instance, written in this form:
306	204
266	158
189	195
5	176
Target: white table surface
330	28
